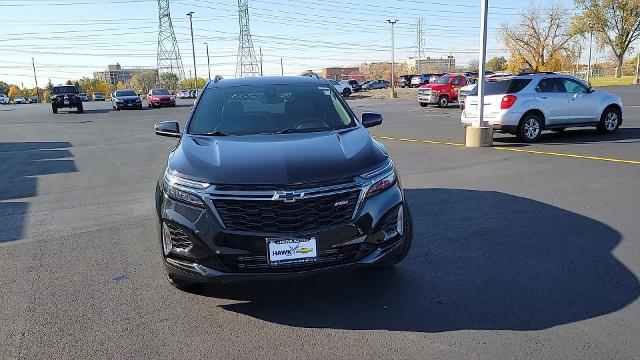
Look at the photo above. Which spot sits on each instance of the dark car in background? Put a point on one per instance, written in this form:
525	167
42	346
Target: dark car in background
405	80
33	99
126	99
160	97
355	85
275	177
376	84
65	96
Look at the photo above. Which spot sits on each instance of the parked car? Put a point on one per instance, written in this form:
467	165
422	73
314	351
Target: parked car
33	99
435	77
83	97
342	88
525	105
98	96
126	99
160	97
355	85
465	90
419	80
376	84
65	96
183	94
19	100
301	187
4	99
443	91
405	80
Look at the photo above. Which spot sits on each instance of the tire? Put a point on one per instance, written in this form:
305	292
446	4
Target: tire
54	109
609	121
530	128
424	104
346	92
80	109
139	107
117	108
443	101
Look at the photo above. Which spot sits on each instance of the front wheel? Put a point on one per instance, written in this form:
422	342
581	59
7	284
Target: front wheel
530	128
443	101
54	109
609	121
346	92
80	109
424	104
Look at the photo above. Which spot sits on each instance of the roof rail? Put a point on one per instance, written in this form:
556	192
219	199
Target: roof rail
536	73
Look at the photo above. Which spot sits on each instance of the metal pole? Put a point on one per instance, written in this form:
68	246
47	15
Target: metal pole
450	60
208	63
393	59
281	68
35	78
261	61
193	51
637	79
483	60
589	63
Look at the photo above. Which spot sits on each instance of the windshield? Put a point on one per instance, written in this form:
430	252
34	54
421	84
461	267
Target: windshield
270	109
442	80
160	92
125	93
65	89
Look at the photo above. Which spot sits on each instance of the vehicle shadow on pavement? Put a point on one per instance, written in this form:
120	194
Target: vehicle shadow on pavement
21	164
480	260
577	136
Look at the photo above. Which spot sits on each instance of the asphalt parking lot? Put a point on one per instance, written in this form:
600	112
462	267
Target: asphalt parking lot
520	251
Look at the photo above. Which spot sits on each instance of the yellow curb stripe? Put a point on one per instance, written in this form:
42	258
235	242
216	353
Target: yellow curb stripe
548	153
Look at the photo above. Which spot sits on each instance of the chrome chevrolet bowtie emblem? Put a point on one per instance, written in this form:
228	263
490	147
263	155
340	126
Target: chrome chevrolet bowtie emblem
287	196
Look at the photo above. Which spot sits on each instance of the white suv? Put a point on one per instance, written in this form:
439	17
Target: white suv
342	88
526	104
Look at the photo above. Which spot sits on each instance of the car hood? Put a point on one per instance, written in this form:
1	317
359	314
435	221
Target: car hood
127	97
435	86
277	159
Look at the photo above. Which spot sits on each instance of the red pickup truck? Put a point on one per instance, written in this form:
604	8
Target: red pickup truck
443	91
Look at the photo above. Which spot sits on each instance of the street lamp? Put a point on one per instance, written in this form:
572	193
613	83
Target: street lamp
637	79
590	43
393	60
208	64
193	50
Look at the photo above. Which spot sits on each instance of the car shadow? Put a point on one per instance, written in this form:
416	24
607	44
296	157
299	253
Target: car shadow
480	260
577	136
22	164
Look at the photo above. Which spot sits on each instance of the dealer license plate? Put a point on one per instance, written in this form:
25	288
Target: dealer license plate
291	251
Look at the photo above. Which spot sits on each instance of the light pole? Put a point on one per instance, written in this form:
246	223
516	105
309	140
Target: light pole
479	134
208	63
589	62
637	79
36	78
393	60
281	68
193	50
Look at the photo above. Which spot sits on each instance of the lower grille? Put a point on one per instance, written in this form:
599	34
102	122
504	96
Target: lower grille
268	216
179	238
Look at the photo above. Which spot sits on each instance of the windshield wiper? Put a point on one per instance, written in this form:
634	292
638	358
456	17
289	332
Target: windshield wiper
214	133
289	131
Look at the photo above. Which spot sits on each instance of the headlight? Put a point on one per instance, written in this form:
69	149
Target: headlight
183	190
173	98
381	179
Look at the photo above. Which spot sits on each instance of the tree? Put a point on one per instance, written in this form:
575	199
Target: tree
49	86
120	85
497	63
539	38
14	91
615	23
4	87
188	83
46	96
474	65
169	80
145	80
69	82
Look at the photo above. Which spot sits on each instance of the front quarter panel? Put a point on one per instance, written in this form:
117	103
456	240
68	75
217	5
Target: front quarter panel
604	100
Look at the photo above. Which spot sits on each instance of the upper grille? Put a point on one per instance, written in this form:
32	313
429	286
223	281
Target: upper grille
270	216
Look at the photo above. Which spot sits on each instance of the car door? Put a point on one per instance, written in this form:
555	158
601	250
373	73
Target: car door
582	104
552	96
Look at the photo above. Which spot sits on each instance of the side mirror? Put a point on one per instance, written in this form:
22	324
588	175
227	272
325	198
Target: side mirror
168	128
590	89
370	119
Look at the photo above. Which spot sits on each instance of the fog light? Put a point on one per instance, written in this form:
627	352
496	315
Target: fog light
400	220
166	239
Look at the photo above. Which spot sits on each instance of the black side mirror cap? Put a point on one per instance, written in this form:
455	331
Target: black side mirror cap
168	128
370	119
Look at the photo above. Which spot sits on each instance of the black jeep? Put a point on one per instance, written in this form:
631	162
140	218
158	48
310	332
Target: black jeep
65	96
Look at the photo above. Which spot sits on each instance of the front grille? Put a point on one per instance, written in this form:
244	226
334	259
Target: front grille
299	186
179	237
328	257
271	216
424	91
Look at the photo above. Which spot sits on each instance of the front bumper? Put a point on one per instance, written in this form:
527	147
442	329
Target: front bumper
429	98
219	254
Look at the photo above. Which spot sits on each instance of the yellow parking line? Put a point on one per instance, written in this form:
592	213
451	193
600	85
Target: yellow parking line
548	153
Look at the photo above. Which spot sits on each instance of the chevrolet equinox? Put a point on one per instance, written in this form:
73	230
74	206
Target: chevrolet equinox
275	177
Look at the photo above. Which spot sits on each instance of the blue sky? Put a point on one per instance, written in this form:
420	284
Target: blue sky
72	38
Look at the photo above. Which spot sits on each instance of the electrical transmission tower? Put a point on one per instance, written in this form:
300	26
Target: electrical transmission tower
419	43
169	59
247	61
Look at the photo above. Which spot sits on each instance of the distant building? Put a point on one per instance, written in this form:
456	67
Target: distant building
339	73
115	73
447	63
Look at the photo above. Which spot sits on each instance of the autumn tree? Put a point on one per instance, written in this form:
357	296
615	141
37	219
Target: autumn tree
615	24
144	80
497	63
539	38
49	86
14	91
189	82
120	85
474	65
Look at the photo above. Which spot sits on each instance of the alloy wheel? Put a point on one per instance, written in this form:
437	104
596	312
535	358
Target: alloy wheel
531	128
611	121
